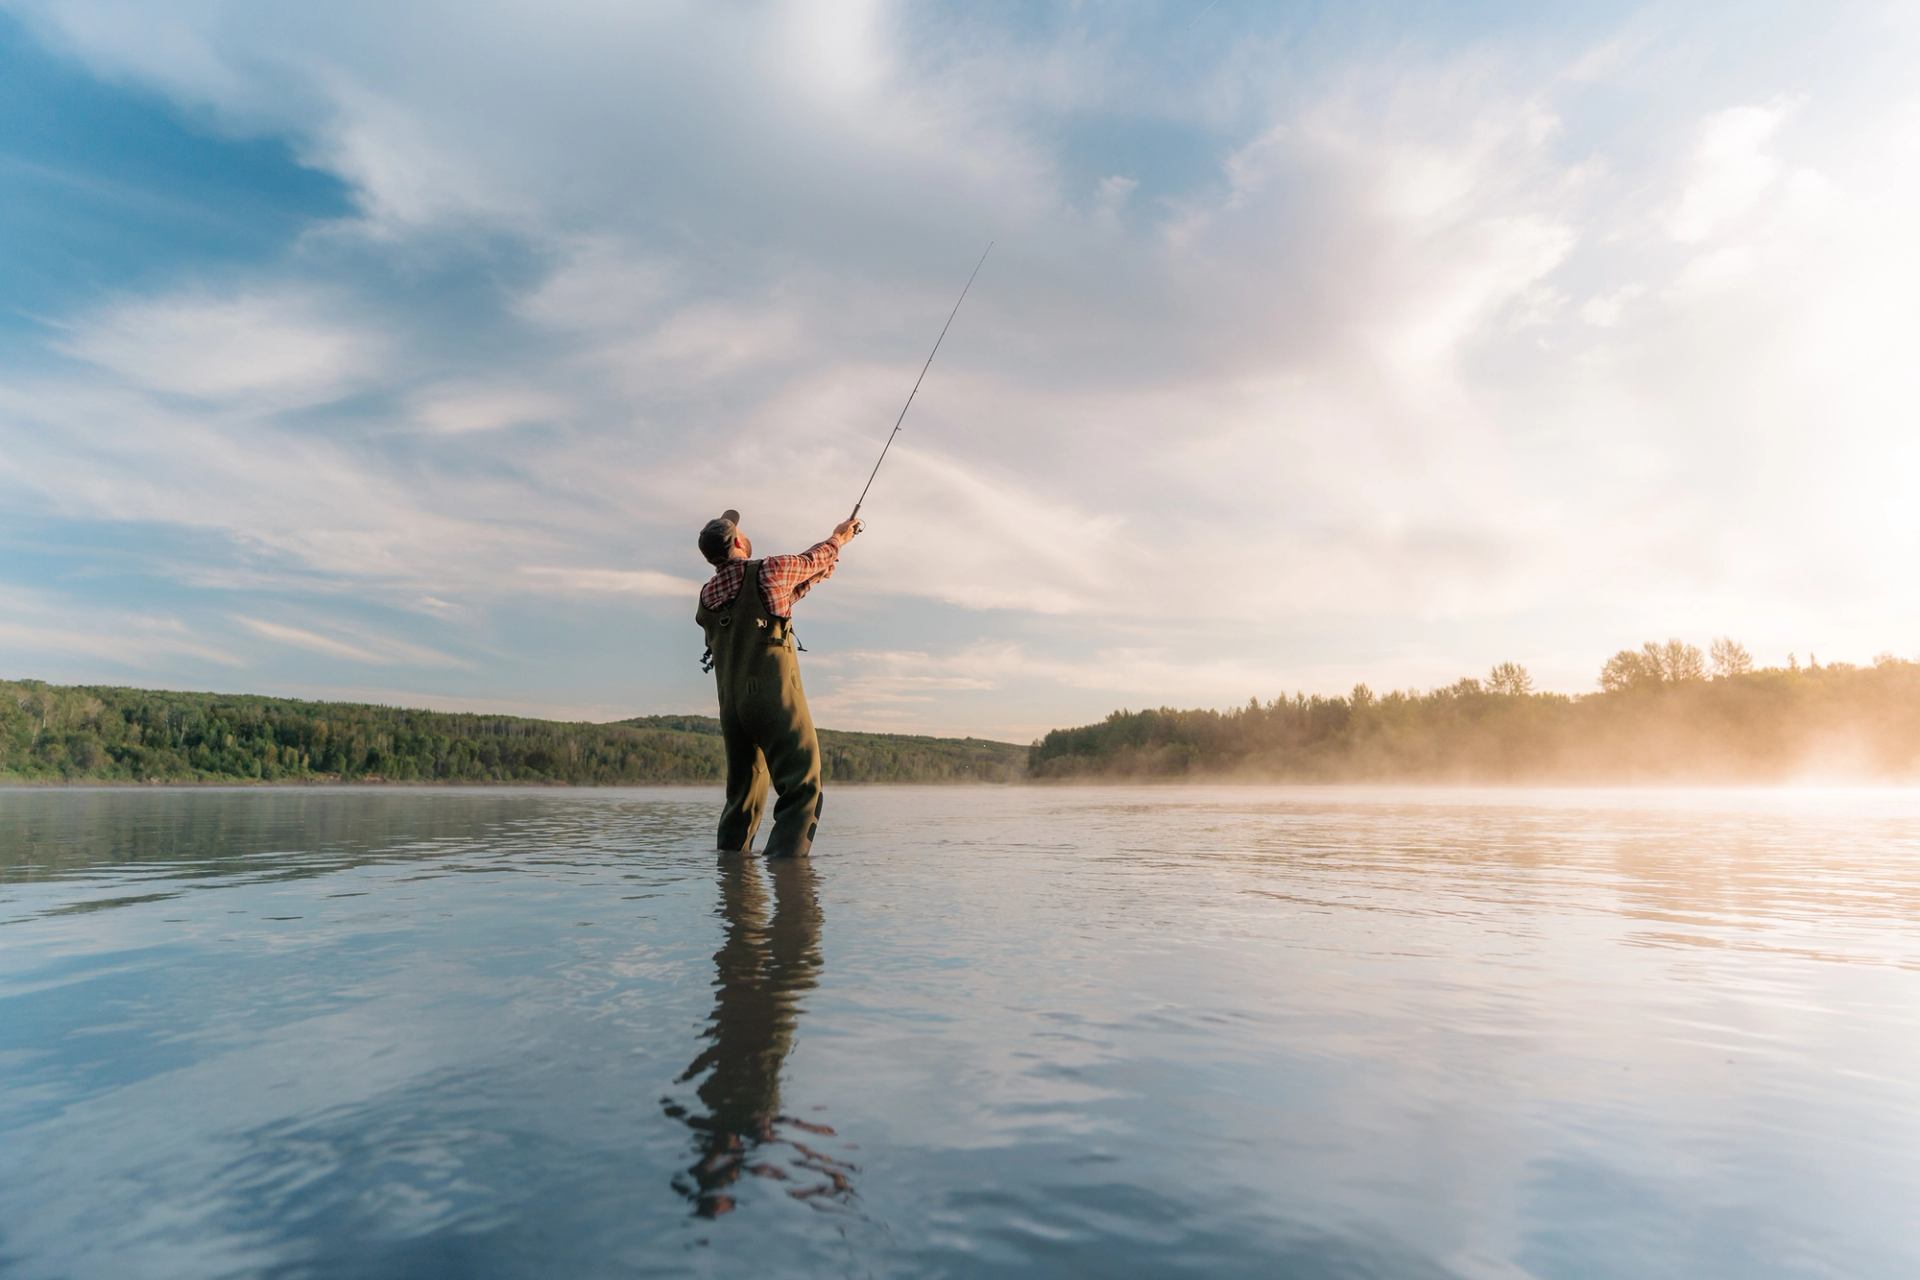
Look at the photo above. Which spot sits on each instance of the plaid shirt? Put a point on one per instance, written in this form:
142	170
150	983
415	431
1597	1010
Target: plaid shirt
783	579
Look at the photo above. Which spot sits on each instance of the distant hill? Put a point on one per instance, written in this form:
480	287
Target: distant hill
879	757
98	733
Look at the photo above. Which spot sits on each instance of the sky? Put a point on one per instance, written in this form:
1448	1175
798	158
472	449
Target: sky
397	351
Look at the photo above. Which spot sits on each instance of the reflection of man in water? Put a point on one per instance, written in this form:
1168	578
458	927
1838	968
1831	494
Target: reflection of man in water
763	968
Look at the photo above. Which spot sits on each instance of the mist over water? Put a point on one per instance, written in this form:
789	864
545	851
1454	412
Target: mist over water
1103	1031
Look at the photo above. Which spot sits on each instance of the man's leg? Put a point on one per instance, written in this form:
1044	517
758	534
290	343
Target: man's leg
746	787
793	754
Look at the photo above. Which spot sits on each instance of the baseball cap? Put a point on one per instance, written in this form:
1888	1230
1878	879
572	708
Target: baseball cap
716	538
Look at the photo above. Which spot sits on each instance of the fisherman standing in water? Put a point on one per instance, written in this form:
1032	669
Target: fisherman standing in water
746	610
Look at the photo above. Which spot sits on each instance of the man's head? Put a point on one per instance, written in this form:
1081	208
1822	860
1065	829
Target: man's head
721	539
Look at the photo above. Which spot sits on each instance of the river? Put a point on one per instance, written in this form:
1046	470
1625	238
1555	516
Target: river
1012	1031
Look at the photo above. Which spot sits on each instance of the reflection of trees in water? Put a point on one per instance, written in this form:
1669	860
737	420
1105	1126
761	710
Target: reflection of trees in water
186	838
762	970
307	831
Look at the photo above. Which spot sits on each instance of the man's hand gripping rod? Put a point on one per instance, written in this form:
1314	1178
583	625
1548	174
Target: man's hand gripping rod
854	519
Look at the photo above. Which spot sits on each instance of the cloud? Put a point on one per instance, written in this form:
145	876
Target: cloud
1605	310
464	408
40	627
352	644
849	123
303	639
143	644
580	581
703	341
601	283
1111	197
1732	169
282	347
282	497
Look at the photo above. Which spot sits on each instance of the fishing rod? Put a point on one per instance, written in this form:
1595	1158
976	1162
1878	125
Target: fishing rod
916	382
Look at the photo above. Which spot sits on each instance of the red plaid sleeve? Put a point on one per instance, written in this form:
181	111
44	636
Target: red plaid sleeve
724	585
785	579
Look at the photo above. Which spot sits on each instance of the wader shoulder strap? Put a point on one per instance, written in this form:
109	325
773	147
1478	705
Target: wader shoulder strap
750	595
747	603
729	613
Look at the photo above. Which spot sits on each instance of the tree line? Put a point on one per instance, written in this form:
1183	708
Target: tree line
1666	711
109	734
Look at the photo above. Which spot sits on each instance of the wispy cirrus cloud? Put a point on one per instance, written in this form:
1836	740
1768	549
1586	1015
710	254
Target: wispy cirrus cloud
355	645
465	408
143	644
589	581
287	348
44	632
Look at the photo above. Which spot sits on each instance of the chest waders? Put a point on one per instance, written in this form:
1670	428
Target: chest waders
764	722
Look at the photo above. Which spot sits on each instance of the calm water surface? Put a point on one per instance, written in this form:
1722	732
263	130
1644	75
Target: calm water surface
986	1031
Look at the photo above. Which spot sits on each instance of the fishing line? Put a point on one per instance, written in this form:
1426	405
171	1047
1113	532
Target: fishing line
916	382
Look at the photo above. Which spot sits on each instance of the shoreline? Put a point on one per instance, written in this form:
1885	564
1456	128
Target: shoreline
423	784
1137	784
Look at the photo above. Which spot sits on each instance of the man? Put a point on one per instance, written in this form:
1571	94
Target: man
746	610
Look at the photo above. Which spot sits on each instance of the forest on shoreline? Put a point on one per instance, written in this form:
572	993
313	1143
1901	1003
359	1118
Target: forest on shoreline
1666	712
104	734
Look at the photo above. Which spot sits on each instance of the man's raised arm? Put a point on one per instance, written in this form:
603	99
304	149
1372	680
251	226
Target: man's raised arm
793	576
